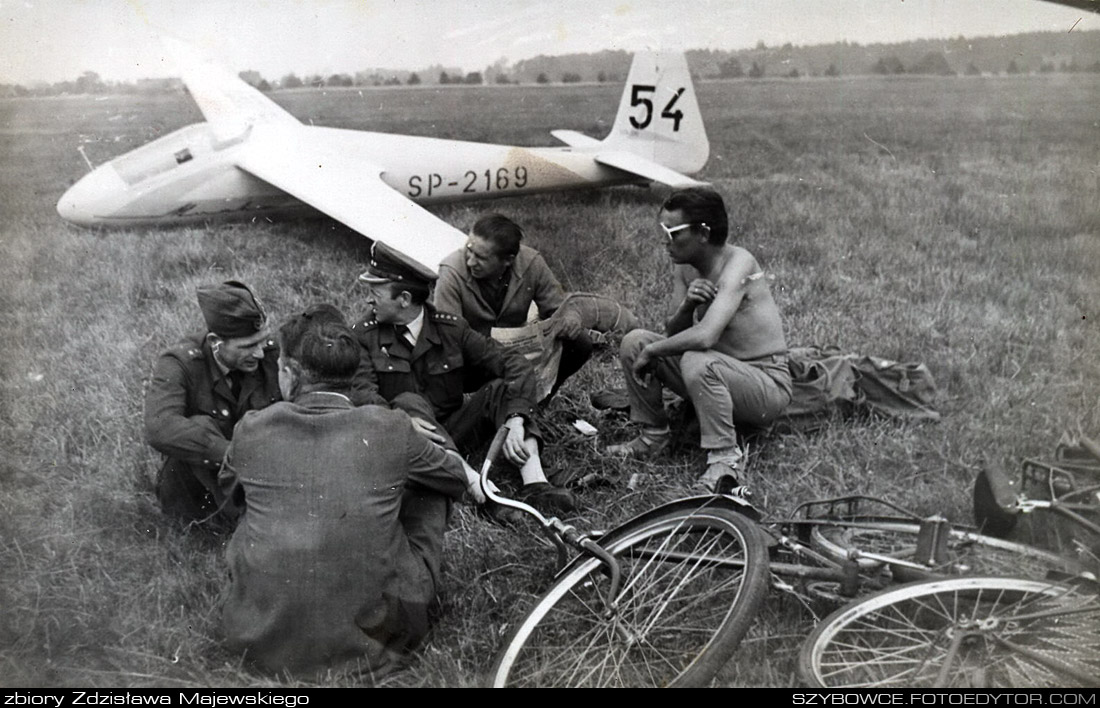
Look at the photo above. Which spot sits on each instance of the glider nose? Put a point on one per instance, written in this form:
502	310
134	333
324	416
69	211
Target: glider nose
92	198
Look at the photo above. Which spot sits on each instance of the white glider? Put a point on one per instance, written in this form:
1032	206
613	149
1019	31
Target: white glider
253	158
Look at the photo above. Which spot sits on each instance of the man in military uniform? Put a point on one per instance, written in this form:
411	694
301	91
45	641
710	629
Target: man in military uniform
421	361
199	390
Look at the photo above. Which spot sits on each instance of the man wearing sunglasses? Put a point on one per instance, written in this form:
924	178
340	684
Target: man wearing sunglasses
723	347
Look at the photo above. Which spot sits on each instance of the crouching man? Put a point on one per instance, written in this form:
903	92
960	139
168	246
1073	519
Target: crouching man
337	556
723	348
200	388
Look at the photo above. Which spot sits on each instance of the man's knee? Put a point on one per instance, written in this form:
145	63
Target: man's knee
635	341
181	494
695	366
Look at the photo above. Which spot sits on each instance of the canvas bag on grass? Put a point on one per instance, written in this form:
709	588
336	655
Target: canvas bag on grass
825	381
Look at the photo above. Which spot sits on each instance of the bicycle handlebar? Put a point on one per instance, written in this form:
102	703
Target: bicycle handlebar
560	533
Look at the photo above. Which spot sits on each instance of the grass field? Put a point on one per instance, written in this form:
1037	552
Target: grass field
950	221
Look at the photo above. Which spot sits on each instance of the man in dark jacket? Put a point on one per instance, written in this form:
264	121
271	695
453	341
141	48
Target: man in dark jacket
200	388
337	556
422	361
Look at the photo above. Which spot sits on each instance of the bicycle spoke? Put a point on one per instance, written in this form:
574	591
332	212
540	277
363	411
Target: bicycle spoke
682	580
966	632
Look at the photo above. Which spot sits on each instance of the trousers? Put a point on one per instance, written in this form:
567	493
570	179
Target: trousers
724	391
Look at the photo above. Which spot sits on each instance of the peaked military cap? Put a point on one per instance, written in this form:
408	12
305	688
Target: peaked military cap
231	309
387	265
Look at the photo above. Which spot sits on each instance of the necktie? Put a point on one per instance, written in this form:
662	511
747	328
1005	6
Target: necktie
404	333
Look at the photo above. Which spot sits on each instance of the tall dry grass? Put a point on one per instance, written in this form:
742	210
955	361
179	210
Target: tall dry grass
950	221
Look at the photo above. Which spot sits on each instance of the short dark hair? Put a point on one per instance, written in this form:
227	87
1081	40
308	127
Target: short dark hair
500	231
418	290
701	205
325	347
325	312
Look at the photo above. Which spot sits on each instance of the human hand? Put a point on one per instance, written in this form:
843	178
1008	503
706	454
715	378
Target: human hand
643	365
473	481
423	427
515	446
701	291
475	492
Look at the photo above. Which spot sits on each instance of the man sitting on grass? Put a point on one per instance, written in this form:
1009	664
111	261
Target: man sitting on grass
200	388
723	348
422	361
494	279
337	556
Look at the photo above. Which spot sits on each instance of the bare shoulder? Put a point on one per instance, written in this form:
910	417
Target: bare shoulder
739	269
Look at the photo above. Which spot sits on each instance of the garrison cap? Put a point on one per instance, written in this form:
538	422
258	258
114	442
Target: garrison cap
231	310
390	266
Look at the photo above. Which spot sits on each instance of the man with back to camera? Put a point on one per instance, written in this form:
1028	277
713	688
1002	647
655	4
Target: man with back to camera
337	556
492	282
723	348
420	360
200	388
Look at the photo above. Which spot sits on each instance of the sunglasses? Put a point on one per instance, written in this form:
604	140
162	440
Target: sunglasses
671	232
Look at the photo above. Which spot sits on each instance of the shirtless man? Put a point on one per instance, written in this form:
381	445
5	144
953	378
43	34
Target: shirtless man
723	348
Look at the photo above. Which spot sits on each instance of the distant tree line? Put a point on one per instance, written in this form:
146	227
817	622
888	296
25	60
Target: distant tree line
1042	52
1036	52
937	64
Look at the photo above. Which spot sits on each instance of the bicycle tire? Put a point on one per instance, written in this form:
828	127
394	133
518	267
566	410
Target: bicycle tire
678	619
988	631
968	553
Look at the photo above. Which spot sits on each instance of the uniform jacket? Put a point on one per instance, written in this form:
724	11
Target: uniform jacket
447	354
190	410
457	291
321	567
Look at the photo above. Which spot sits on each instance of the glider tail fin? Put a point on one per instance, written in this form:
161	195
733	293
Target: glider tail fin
658	116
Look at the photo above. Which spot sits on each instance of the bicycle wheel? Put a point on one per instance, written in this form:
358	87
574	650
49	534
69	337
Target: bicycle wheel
692	582
967	552
959	632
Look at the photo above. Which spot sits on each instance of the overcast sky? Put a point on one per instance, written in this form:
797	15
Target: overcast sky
53	40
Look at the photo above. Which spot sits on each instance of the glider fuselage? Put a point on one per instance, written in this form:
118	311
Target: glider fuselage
188	175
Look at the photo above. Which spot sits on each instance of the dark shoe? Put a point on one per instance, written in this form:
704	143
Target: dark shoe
547	498
500	514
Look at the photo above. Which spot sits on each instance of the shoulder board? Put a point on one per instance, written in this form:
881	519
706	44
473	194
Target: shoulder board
186	351
445	317
365	324
188	347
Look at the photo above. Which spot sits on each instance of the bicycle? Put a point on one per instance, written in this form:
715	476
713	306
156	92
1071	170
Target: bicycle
944	627
1067	488
665	598
662	600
